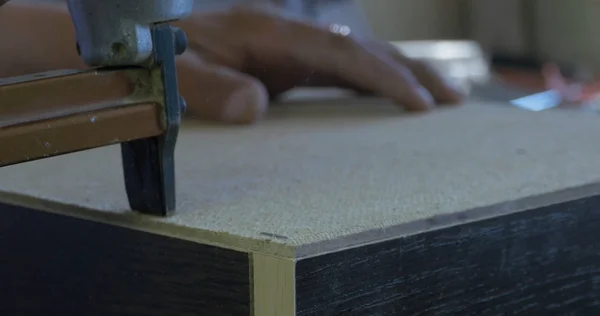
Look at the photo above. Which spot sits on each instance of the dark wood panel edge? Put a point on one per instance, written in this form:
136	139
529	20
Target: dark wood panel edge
379	235
139	222
54	264
544	261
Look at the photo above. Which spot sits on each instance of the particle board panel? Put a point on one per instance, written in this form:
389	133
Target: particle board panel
319	177
315	184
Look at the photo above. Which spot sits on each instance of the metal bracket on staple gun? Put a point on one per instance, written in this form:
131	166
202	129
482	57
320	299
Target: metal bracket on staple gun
149	164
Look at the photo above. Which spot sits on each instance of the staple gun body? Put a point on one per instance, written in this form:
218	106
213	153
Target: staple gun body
129	96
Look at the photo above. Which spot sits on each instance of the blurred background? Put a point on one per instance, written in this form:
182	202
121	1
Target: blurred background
537	54
565	31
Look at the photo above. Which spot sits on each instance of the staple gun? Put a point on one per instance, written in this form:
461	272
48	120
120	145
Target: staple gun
129	96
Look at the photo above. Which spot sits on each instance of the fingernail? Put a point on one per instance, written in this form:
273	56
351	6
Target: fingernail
245	106
240	111
454	88
426	97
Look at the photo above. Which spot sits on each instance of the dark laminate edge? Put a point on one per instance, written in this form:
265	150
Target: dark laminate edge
378	235
134	221
59	265
544	261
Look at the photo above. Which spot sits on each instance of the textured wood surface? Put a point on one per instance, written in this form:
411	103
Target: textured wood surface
59	265
360	194
322	176
538	262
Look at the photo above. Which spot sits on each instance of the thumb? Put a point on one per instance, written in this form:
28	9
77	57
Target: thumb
218	93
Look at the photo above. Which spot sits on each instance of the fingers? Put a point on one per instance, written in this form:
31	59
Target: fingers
309	47
442	90
282	53
218	93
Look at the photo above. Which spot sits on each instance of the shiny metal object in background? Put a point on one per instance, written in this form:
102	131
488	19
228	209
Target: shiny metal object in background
466	65
118	32
461	62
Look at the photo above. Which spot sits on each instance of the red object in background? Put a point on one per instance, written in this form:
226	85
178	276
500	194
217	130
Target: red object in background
572	91
524	79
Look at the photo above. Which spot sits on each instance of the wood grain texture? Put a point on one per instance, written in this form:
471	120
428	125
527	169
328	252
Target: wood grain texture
59	265
539	262
318	172
273	282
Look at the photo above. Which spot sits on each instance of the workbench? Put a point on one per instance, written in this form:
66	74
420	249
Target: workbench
336	207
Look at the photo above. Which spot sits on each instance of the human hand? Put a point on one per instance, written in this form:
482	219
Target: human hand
238	59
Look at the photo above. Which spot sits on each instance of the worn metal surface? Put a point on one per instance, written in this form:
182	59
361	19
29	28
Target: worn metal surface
148	164
81	131
49	114
47	95
118	32
134	33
